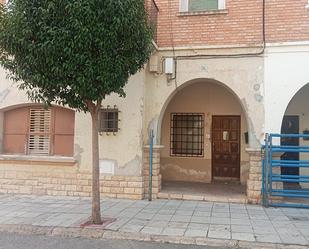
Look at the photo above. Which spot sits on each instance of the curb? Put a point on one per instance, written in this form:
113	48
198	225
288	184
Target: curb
95	233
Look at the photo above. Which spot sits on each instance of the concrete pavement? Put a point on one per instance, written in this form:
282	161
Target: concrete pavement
177	221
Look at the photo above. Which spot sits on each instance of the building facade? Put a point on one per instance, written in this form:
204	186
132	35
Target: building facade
223	73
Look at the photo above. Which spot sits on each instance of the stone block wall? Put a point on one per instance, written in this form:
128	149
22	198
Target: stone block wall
254	183
43	178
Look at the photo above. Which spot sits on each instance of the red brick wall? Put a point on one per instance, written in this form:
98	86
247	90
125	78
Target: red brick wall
286	20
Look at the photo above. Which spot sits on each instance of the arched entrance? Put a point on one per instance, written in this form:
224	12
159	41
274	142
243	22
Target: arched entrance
296	120
204	132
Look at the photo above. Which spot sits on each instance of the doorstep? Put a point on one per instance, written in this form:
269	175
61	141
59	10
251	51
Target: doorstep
200	197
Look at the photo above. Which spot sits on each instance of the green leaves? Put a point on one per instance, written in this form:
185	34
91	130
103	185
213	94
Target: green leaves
70	51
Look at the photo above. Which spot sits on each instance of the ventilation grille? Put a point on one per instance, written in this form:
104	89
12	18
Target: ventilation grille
39	132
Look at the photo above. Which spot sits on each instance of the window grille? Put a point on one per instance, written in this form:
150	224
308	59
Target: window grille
187	134
39	132
109	120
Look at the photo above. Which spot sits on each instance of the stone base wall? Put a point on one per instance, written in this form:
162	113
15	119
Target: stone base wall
156	176
64	180
254	183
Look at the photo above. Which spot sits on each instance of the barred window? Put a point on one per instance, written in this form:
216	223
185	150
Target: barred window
187	134
109	120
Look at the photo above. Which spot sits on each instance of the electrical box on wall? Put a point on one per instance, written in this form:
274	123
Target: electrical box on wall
154	65
107	167
169	66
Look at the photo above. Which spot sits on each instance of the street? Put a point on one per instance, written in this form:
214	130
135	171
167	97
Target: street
16	241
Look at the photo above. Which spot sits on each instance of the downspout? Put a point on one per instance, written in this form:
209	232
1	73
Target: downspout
150	165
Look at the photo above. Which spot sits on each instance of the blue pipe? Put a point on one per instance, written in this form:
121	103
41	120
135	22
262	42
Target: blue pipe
150	165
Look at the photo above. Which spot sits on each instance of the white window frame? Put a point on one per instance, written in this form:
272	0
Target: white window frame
184	5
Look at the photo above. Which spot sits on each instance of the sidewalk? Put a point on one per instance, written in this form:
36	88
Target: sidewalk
193	222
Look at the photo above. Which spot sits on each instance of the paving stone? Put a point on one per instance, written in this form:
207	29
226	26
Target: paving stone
243	236
173	231
178	224
131	228
181	218
198	226
166	212
152	230
239	216
240	221
144	216
263	230
217	220
219	232
291	236
201	213
195	233
154	223
162	217
184	212
271	238
138	222
220	215
200	219
241	229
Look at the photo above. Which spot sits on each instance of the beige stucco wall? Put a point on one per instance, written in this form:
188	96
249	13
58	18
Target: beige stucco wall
209	98
243	75
299	107
124	149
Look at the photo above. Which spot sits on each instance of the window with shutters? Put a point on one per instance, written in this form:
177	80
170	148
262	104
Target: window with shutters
201	5
38	131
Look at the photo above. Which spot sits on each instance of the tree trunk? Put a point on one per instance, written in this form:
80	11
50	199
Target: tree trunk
96	210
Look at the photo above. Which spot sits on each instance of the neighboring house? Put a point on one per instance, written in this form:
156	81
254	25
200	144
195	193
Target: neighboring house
224	73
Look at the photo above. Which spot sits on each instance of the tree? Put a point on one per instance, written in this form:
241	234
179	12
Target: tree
74	53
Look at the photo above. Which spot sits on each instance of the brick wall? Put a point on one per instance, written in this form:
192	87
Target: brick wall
241	23
287	20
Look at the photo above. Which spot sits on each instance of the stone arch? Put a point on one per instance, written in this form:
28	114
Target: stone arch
158	125
212	99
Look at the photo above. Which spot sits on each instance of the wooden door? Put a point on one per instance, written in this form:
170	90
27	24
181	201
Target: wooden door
226	146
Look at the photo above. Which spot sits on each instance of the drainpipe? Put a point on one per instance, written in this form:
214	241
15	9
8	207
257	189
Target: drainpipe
150	165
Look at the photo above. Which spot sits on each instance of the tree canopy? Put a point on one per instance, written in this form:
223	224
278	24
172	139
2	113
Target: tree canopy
73	51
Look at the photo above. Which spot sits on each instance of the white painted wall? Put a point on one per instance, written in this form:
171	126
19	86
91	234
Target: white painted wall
299	106
286	72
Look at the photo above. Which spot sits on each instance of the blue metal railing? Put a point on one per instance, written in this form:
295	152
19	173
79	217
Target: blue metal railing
290	193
